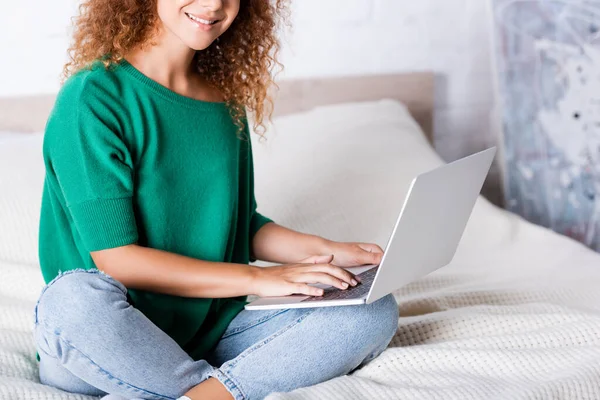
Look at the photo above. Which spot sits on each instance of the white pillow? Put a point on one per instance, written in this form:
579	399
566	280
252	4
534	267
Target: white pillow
341	171
21	182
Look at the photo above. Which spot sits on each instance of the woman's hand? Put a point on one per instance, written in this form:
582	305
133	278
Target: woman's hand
353	254
277	244
289	279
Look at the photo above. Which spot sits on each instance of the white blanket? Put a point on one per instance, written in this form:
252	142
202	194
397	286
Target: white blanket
515	316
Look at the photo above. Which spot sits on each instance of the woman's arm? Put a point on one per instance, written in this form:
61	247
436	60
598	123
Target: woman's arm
275	243
145	268
139	267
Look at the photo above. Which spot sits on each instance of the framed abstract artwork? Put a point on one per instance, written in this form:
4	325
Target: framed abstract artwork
547	55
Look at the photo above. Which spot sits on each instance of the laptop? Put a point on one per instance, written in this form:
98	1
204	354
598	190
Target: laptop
424	239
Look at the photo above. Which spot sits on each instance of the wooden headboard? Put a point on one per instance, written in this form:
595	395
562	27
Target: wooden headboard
415	89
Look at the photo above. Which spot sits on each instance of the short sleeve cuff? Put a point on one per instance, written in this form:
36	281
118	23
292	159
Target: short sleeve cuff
257	222
105	223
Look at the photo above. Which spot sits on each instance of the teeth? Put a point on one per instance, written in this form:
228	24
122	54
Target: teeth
200	20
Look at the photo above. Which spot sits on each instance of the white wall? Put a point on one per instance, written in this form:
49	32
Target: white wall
450	37
329	37
34	39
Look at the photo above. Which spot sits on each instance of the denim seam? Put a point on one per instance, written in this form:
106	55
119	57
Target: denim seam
60	275
39	350
66	342
229	365
252	324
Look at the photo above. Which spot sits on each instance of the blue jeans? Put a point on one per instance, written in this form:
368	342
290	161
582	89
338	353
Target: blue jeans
92	341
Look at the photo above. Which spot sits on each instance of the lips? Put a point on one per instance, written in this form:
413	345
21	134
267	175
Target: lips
202	19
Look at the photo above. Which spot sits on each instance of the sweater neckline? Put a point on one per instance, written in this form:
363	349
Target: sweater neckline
165	91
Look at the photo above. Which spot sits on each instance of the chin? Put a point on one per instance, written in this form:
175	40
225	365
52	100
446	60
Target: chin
199	44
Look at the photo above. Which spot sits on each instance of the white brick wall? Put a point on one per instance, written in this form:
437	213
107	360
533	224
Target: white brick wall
329	37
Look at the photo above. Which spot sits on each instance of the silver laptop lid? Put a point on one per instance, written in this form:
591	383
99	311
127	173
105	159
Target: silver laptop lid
431	222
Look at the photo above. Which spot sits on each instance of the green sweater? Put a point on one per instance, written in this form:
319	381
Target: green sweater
130	161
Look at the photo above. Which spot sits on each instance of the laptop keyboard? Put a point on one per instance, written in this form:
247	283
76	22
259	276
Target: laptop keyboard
353	292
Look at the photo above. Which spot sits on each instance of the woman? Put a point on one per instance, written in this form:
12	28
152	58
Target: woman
149	220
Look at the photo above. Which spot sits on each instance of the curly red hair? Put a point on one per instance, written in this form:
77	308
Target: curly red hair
239	63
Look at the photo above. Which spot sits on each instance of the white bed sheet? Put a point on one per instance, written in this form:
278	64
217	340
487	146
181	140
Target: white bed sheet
516	315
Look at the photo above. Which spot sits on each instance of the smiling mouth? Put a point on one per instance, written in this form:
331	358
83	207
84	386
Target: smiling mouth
202	21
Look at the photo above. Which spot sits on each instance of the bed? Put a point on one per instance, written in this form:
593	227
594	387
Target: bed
516	315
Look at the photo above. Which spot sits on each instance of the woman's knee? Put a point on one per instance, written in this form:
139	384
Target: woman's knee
354	333
73	294
371	324
378	320
386	313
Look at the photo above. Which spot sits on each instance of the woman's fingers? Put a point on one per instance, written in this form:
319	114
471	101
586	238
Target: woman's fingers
334	271
322	277
303	288
370	247
369	253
